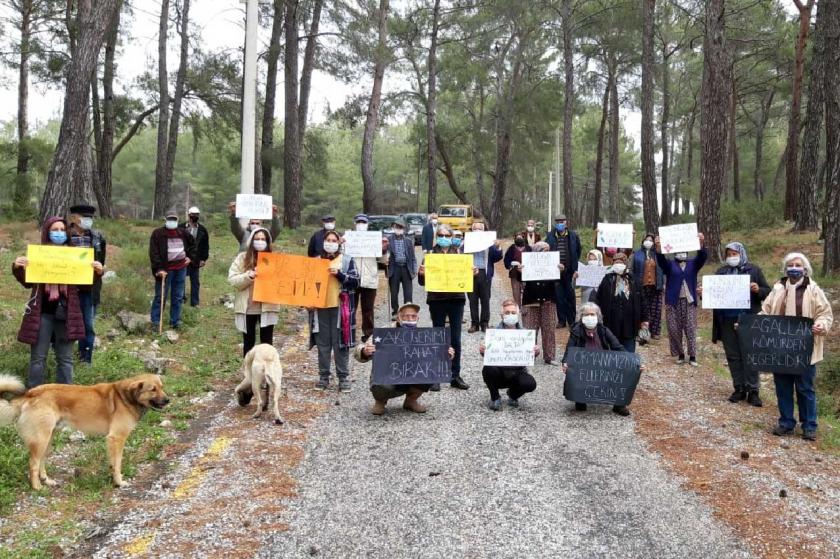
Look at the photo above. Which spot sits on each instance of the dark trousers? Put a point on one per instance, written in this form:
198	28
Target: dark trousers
480	295
629	344
454	310
400	276
365	298
53	333
195	284
742	379
516	379
88	314
174	285
252	323
565	300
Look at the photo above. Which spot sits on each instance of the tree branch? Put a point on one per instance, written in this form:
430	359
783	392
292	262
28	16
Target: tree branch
133	130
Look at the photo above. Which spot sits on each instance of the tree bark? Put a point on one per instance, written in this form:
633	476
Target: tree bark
308	66
92	24
733	143
105	158
614	198
271	59
758	181
23	182
449	171
665	211
831	218
568	108
161	194
650	205
599	153
689	167
291	141
175	121
431	108
372	118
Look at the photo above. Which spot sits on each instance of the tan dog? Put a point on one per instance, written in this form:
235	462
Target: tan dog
262	365
111	409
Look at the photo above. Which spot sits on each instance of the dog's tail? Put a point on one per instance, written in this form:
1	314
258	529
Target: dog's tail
8	411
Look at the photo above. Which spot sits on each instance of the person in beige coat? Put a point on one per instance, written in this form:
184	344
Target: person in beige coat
797	294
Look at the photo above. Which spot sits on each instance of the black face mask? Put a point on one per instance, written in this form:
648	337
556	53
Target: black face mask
194	218
519	242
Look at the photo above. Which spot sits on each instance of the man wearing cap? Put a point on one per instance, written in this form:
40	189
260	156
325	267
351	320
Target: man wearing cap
427	236
368	267
402	265
242	235
565	241
202	252
171	249
479	297
83	235
316	241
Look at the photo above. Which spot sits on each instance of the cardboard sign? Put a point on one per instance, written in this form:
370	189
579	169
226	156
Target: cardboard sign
538	266
289	279
776	344
615	235
59	264
601	377
476	241
679	238
590	275
411	356
363	243
254	206
509	347
449	273
726	292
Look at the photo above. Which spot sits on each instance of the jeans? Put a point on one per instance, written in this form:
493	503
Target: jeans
328	340
742	379
401	276
51	328
249	337
195	284
88	314
454	310
629	344
566	299
480	296
516	379
806	399
174	281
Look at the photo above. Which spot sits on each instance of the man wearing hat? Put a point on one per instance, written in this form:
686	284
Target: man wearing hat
565	241
402	265
202	251
368	267
316	241
171	249
83	235
243	235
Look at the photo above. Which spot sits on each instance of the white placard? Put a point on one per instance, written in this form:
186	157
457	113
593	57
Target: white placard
590	275
254	206
726	292
476	241
363	243
679	238
509	347
615	235
540	266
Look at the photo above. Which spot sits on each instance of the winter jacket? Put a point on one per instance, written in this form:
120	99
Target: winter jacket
100	252
538	292
242	234
316	243
554	238
514	254
202	244
427	237
410	258
432	296
623	316
368	267
577	338
638	266
244	287
756	276
675	275
158	248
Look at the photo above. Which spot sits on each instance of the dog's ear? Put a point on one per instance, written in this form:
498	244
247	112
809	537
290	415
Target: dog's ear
135	389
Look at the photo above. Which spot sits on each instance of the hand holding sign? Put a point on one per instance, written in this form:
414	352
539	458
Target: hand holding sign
725	292
679	238
254	206
448	273
411	356
476	241
615	235
59	265
509	347
289	279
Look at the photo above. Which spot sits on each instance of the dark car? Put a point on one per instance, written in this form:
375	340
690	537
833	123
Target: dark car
384	223
415	223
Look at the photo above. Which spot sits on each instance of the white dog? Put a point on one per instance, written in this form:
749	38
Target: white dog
262	365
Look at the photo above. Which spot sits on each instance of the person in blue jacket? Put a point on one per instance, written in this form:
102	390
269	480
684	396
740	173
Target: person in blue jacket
565	241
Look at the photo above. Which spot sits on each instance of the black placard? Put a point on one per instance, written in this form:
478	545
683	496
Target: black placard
411	356
601	377
776	344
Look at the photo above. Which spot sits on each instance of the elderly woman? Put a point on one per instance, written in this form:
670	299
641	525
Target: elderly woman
653	282
513	261
620	298
797	294
539	299
590	333
593	258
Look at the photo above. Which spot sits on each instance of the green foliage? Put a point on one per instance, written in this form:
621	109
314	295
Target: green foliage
751	214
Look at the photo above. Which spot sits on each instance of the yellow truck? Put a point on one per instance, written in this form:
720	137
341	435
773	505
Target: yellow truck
457	216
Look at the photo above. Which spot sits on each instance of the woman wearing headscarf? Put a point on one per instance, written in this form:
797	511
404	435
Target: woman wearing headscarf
593	258
797	294
539	300
620	298
725	321
652	279
513	261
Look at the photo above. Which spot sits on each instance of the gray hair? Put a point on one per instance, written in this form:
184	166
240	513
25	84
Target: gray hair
444	228
809	271
590	308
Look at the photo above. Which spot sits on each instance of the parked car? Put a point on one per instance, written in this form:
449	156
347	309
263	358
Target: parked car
415	222
384	223
456	216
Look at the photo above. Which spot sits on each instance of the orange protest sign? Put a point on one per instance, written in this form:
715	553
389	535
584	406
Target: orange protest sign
288	279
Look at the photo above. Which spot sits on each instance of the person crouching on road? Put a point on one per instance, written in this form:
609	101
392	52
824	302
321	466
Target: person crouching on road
407	317
517	380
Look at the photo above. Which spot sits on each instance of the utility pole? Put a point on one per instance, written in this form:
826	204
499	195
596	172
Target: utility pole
549	220
249	100
557	175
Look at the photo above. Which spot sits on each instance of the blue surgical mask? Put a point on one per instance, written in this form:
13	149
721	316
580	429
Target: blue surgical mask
792	273
58	237
444	242
456	241
408	324
171	224
560	226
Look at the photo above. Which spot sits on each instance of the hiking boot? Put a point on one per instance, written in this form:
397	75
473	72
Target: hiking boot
243	398
580	406
738	395
473	329
621	410
754	399
411	403
378	407
495	405
323	384
809	435
344	385
780	431
435	387
458	382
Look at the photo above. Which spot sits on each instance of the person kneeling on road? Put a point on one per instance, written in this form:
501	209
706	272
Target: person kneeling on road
516	379
407	317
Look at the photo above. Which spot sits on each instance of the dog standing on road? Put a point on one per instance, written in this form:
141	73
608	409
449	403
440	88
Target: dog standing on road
262	365
112	409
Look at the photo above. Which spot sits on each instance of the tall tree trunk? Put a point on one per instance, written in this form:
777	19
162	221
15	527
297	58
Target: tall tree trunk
105	159
449	171
680	171
431	108
615	132
733	143
650	205
758	181
175	121
92	24
568	108
371	121
831	84
714	95
161	188
23	182
599	154
689	167
665	211
308	66
96	121
271	59
791	166
291	141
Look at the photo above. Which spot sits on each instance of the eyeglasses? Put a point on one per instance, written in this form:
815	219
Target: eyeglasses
443	235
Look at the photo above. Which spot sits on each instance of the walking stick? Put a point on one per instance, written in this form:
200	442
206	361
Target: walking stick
164	295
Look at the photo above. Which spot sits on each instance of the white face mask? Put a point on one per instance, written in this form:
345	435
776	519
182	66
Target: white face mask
590	321
434	221
86	223
530	228
260	245
171	224
733	261
330	248
329	226
361	226
681	256
592	262
647	244
408	323
510	319
619	268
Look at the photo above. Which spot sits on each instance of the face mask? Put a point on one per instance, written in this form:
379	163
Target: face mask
681	256
647	244
330	248
530	229
408	323
456	241
399	230
253	226
592	262
194	218
329	226
733	261
519	242
86	223
434	222
58	237
792	273
619	268
260	245
560	226
361	226
171	224
510	319
590	321
444	242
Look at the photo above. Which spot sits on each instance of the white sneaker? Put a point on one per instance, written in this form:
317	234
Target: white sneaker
694	363
680	360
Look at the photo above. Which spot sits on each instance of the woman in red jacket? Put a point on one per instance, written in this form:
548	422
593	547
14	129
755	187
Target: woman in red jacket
52	314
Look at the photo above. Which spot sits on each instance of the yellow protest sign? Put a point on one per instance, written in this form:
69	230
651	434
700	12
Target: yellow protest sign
59	265
289	279
450	273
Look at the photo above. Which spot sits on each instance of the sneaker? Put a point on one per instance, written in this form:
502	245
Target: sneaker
495	405
693	362
780	431
458	382
621	410
435	387
738	396
580	406
754	399
680	359
323	384
344	385
809	435
512	402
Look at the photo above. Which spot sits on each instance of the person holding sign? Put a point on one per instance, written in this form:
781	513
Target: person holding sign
539	299
680	299
517	380
797	294
243	235
620	298
83	235
725	321
530	233
652	277
53	314
593	258
567	243
368	267
170	252
484	261
513	262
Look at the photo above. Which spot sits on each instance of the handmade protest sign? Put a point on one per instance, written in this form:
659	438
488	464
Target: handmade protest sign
776	344
253	206
679	238
509	347
590	275
59	264
411	356
601	377
540	266
289	279
363	243
476	241
726	292
616	235
449	273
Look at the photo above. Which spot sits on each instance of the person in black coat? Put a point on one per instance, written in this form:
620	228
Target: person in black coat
427	235
83	235
202	252
620	298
